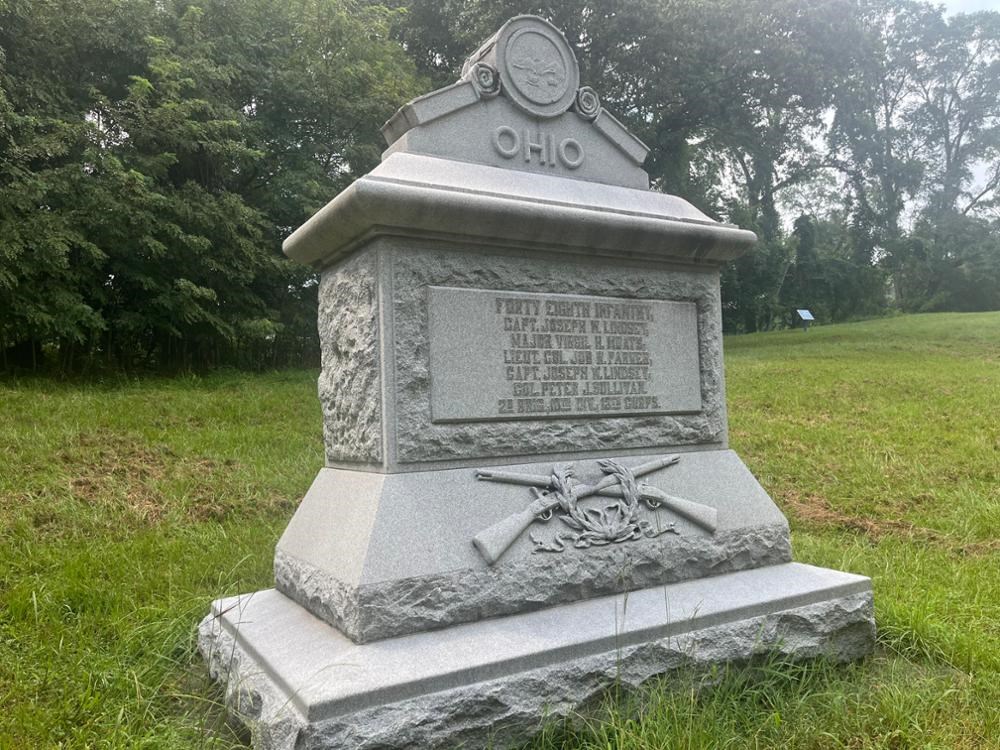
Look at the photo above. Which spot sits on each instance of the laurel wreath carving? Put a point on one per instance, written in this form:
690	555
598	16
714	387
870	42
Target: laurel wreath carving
598	526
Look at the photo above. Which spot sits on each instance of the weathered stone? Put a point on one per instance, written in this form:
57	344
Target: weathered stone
299	684
523	112
496	535
369	612
414	195
415	266
380	555
495	133
350	383
559	355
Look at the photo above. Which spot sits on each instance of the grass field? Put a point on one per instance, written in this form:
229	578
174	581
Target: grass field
125	506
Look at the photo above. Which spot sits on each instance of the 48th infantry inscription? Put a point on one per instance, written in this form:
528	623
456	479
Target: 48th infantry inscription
508	355
595	353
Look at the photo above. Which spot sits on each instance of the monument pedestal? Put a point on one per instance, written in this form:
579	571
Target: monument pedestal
528	494
300	684
381	555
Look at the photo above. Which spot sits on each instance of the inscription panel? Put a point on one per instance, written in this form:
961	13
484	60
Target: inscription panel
508	355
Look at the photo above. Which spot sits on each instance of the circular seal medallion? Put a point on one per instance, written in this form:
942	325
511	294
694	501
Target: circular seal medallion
538	67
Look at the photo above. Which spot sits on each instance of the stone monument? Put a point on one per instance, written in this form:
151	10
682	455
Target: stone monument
528	493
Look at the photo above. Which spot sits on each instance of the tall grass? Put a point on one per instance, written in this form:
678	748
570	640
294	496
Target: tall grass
126	506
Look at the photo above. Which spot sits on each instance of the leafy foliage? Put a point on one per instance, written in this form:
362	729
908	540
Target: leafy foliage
155	154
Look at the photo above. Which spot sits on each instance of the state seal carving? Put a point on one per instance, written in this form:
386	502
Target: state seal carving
537	65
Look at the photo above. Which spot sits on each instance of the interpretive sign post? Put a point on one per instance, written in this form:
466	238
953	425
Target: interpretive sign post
806	317
524	415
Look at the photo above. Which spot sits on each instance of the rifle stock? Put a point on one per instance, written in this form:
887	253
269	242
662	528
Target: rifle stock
704	516
494	541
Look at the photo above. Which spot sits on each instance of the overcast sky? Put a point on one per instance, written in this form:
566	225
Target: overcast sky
970	6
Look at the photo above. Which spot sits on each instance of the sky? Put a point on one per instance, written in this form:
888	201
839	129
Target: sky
970	6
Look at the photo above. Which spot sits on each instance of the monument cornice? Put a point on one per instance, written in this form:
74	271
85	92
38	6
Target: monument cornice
413	194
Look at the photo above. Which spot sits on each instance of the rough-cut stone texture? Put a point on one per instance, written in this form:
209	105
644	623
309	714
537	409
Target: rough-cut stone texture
250	696
381	545
326	596
379	555
505	712
415	265
372	611
350	389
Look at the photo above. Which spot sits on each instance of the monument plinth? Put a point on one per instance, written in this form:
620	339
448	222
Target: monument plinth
525	425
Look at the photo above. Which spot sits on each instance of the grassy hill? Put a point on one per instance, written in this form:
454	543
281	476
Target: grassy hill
126	506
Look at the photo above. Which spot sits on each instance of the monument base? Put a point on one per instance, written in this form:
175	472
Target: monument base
297	682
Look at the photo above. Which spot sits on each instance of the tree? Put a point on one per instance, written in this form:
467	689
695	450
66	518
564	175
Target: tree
156	153
826	276
48	147
870	142
952	263
957	85
916	116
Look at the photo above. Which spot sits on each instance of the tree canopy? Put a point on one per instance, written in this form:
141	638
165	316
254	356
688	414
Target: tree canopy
154	153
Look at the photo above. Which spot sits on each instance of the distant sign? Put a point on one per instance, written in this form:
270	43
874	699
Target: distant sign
805	315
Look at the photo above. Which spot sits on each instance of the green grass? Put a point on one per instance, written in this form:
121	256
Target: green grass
881	442
126	506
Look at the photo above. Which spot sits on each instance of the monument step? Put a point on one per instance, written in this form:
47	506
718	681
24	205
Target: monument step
298	682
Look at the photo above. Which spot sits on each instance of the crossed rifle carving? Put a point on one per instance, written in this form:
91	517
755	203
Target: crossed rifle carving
558	491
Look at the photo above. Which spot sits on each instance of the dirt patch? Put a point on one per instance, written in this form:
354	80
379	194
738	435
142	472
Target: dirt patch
816	510
142	483
107	468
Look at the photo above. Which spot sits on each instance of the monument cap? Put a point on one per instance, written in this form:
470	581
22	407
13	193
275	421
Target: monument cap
537	67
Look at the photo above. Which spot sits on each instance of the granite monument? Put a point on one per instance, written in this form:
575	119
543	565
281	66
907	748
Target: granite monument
528	491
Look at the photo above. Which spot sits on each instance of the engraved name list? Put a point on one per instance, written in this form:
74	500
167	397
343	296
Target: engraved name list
566	356
503	355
